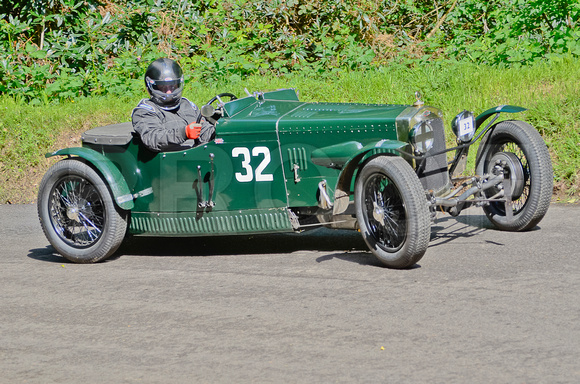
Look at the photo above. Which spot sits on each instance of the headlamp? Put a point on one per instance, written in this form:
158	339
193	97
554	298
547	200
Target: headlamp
421	137
463	126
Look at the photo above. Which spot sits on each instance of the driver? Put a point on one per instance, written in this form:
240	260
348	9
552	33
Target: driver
167	121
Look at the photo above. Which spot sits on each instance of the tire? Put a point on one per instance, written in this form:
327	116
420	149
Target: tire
518	145
77	213
392	211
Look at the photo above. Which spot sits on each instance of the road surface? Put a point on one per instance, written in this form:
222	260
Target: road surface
482	306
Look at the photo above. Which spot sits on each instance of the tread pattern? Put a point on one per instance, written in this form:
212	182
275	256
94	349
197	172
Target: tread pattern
541	173
115	228
419	222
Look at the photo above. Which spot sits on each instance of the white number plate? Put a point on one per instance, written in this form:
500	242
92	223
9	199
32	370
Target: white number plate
466	127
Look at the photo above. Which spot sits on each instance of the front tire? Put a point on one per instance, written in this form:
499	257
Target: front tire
392	211
518	145
77	213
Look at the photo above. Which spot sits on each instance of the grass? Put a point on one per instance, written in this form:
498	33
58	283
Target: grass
550	91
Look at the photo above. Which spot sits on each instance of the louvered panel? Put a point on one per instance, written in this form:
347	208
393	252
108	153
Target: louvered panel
186	224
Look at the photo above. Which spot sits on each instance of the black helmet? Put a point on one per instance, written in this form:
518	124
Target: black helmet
164	81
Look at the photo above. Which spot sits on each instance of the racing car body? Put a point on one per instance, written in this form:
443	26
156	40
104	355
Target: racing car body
279	165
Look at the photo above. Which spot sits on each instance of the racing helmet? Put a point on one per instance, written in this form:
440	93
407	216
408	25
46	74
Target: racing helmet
164	82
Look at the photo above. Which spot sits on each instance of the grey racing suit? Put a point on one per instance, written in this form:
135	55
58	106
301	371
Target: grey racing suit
161	130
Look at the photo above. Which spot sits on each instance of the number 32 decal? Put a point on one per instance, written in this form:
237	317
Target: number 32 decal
249	172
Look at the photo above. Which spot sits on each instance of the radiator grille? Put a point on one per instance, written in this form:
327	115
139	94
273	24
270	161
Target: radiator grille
434	175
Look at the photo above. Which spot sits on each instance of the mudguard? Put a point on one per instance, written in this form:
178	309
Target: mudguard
492	111
347	156
339	155
112	176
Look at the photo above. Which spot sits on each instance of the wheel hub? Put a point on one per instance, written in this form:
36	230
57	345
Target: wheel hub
73	213
378	213
510	163
76	210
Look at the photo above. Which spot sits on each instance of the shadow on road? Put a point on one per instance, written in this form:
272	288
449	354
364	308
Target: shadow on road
449	228
322	239
349	244
361	258
316	240
47	254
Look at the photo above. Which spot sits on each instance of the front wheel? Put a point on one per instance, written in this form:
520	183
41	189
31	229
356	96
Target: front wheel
77	213
517	148
392	211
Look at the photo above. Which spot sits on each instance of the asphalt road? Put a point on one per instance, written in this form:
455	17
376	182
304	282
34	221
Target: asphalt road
482	306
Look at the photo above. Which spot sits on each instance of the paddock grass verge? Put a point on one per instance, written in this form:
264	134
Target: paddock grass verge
550	91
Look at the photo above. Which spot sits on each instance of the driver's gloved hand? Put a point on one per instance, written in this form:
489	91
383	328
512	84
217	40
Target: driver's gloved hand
193	130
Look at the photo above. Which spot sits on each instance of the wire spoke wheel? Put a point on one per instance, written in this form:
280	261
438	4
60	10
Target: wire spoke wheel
385	212
392	211
76	211
520	199
524	157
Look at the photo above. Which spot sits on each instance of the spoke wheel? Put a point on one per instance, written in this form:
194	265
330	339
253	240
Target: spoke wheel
385	212
392	211
77	213
515	163
517	148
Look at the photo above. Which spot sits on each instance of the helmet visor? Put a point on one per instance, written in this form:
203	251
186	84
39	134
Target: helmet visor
168	86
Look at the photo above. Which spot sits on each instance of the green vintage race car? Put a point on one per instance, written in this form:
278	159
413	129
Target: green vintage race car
281	165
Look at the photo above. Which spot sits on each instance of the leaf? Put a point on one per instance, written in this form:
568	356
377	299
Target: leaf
38	54
106	18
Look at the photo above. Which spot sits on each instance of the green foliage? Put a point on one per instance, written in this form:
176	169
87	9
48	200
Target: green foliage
514	32
550	91
63	49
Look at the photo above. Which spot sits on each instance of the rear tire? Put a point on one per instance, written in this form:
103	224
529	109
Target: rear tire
522	147
392	211
77	213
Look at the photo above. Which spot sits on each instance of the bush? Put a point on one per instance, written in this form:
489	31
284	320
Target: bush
63	49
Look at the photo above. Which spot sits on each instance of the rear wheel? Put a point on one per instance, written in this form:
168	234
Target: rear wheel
517	148
77	213
392	211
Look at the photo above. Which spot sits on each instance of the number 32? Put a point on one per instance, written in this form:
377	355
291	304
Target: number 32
249	172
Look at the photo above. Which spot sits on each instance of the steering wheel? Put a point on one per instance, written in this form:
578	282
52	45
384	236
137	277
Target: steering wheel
226	94
207	110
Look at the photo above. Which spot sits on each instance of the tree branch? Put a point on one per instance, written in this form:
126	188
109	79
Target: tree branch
440	21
